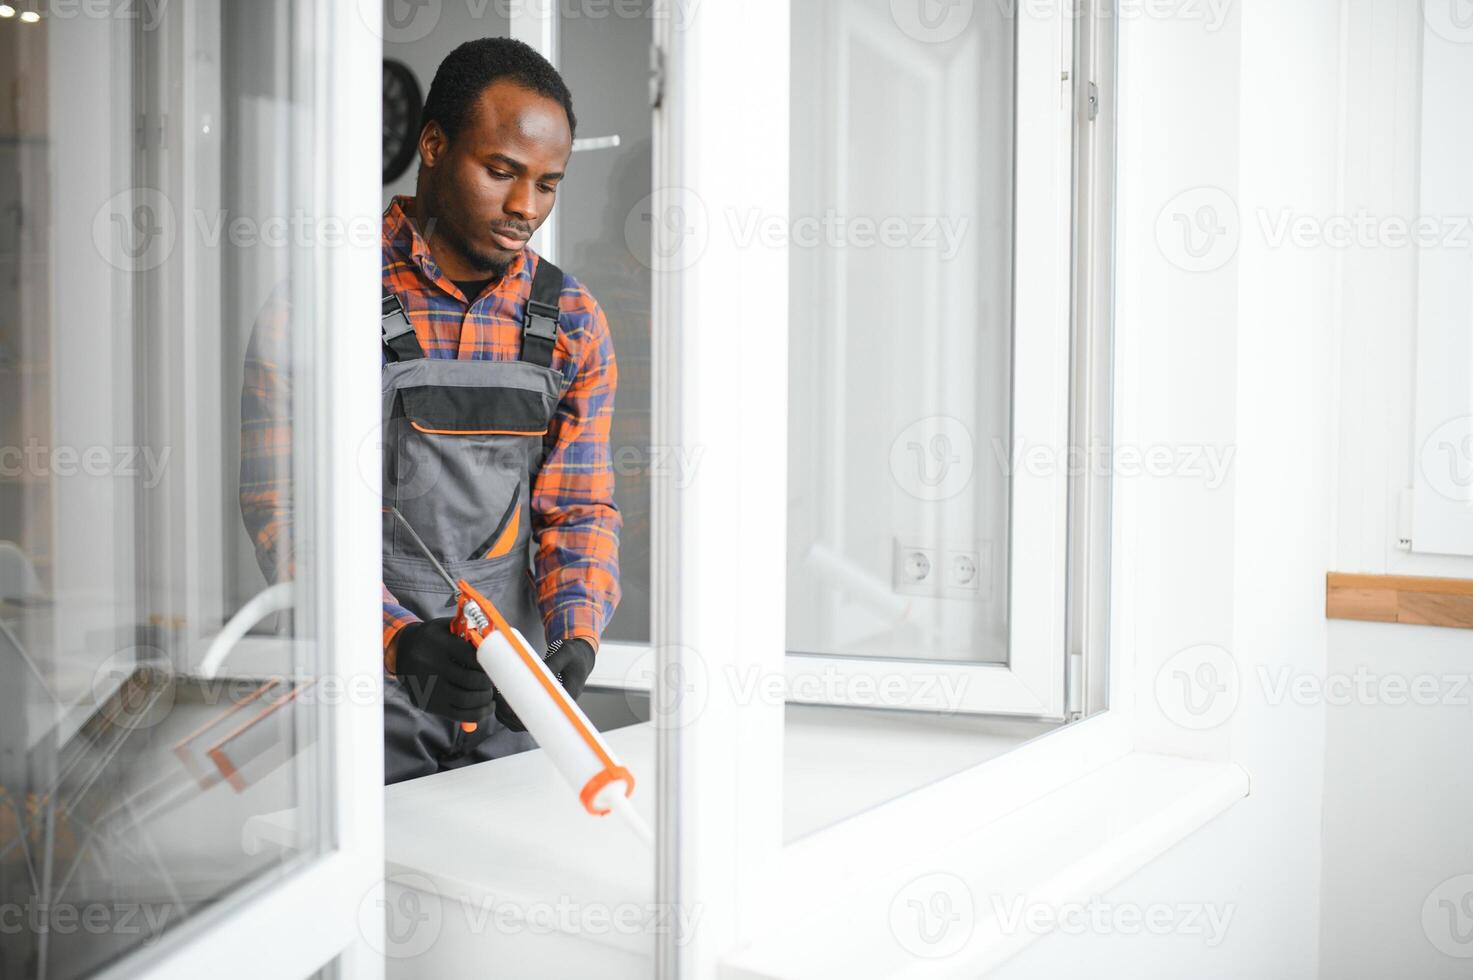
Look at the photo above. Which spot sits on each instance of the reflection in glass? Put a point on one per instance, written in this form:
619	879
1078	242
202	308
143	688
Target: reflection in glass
143	765
900	335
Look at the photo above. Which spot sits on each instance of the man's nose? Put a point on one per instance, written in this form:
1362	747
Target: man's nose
521	203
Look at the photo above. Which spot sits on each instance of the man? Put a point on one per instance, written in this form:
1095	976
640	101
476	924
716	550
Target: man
497	409
498	393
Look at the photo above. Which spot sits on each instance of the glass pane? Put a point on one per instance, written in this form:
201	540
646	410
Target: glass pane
900	339
602	241
604	60
155	316
549	890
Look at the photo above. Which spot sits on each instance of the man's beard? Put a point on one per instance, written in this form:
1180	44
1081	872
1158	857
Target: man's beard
490	264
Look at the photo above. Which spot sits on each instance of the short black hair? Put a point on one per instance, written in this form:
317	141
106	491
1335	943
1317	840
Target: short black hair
467	70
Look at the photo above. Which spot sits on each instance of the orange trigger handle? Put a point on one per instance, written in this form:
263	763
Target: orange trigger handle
465	631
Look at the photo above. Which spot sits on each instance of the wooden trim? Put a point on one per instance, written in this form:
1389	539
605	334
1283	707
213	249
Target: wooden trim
1400	599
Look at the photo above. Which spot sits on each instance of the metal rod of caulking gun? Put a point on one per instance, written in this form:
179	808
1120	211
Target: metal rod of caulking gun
424	550
466	726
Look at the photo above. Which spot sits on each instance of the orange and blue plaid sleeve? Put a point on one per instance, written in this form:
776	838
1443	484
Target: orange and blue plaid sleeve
265	492
575	518
265	495
396	617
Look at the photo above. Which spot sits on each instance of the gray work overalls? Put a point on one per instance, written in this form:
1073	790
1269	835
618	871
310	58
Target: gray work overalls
462	444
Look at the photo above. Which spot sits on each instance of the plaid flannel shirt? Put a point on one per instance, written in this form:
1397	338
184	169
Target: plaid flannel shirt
575	522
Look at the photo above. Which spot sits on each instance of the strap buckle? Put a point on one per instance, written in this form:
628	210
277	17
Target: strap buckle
541	320
393	319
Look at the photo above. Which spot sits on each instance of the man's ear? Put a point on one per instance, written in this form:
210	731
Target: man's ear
433	143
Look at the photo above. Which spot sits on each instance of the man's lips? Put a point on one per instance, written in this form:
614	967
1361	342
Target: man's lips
512	241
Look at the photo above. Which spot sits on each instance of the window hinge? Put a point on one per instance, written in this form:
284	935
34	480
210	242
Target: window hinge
657	76
1075	687
1404	503
1092	94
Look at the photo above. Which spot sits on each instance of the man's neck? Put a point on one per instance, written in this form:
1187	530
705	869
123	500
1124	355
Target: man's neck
453	265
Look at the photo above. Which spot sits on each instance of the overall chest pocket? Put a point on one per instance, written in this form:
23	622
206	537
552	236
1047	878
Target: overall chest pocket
458	464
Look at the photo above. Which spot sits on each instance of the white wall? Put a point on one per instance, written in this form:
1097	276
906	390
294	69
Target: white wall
1221	122
1398	789
1398	810
1361	816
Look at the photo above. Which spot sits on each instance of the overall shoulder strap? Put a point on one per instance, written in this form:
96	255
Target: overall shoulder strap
400	343
539	326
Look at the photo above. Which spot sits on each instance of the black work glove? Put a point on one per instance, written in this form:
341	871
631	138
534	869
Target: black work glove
440	672
571	661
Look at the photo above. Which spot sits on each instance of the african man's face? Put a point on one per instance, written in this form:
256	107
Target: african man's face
494	184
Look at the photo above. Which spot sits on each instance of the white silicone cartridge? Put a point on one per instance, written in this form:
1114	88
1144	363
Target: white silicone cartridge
561	728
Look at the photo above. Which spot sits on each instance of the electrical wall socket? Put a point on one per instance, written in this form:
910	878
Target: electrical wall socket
942	572
917	569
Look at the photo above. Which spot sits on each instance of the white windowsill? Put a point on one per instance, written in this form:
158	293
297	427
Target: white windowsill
508	832
1064	847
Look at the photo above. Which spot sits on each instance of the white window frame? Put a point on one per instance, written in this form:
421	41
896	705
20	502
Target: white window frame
1033	681
1442	498
719	555
342	55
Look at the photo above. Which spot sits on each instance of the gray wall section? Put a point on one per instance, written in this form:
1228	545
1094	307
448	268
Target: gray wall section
605	63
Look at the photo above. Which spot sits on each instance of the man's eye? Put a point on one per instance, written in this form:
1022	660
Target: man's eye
548	188
499	174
